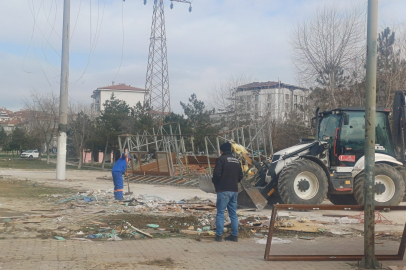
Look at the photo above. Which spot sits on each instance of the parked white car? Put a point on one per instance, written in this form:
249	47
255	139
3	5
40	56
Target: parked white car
30	154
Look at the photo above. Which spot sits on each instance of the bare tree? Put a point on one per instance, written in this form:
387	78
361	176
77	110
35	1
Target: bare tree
222	95
223	99
80	128
325	46
44	117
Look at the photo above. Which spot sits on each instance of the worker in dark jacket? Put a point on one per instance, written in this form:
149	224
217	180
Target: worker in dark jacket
118	170
226	176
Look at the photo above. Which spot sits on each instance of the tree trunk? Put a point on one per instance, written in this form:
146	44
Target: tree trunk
92	155
80	158
47	153
104	155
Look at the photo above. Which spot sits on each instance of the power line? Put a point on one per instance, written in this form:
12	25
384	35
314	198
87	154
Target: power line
122	45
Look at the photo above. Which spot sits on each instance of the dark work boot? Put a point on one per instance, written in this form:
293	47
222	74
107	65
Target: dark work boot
218	238
231	238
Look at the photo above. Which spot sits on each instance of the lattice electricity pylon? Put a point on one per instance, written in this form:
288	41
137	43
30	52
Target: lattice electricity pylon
157	80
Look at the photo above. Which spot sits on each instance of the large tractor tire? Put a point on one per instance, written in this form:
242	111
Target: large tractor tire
389	186
342	199
303	182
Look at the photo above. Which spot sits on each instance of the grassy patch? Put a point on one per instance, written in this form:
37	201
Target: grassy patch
36	164
27	189
29	164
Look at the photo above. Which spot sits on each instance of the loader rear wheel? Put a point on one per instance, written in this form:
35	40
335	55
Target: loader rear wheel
303	182
389	186
342	199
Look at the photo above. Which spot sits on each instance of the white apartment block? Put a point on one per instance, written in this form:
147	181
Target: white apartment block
131	95
273	99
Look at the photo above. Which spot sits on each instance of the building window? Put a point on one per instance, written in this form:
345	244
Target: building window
269	105
269	96
295	98
256	97
287	106
256	107
301	99
248	106
287	96
295	106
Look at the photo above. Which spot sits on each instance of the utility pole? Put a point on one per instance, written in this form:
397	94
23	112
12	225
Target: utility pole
369	261
63	98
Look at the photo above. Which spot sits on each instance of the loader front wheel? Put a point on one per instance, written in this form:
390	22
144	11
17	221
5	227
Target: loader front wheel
389	186
303	182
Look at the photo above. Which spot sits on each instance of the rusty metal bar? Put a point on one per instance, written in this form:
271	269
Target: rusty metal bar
268	257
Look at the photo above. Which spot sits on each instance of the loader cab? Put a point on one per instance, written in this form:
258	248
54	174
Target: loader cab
344	130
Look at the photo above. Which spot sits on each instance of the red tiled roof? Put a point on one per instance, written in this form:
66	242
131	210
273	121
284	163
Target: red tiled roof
120	87
11	122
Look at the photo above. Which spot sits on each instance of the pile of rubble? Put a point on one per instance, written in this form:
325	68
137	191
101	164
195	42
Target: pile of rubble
95	215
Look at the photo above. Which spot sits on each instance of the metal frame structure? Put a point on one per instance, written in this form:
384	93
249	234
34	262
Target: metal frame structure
182	164
290	207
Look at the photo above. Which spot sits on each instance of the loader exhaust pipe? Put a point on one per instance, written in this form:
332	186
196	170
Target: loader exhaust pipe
317	124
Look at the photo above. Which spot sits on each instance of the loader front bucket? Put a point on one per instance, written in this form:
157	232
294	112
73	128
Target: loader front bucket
248	196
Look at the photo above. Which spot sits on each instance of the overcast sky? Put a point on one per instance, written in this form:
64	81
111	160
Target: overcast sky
218	39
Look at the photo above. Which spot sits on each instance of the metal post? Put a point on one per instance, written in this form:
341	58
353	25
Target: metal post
138	142
207	153
156	140
250	143
63	99
242	137
369	261
256	136
270	137
264	142
173	138
238	136
218	145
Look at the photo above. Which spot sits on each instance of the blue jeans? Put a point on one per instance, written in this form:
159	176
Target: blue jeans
226	199
118	185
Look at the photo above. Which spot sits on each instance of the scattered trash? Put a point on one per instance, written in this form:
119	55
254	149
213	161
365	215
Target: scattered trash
59	238
154	226
306	238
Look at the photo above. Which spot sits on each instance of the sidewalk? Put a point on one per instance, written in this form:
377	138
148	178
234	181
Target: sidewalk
176	253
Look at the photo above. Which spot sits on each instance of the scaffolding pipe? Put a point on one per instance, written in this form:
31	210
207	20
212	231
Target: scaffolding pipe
176	152
155	139
256	136
242	137
270	137
207	153
218	146
249	137
264	143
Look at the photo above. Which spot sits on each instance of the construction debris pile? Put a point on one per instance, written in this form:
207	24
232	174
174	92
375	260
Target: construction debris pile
95	215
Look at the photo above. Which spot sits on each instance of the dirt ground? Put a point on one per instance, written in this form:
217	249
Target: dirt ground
35	205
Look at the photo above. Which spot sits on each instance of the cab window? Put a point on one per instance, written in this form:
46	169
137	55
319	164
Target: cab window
353	135
328	126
